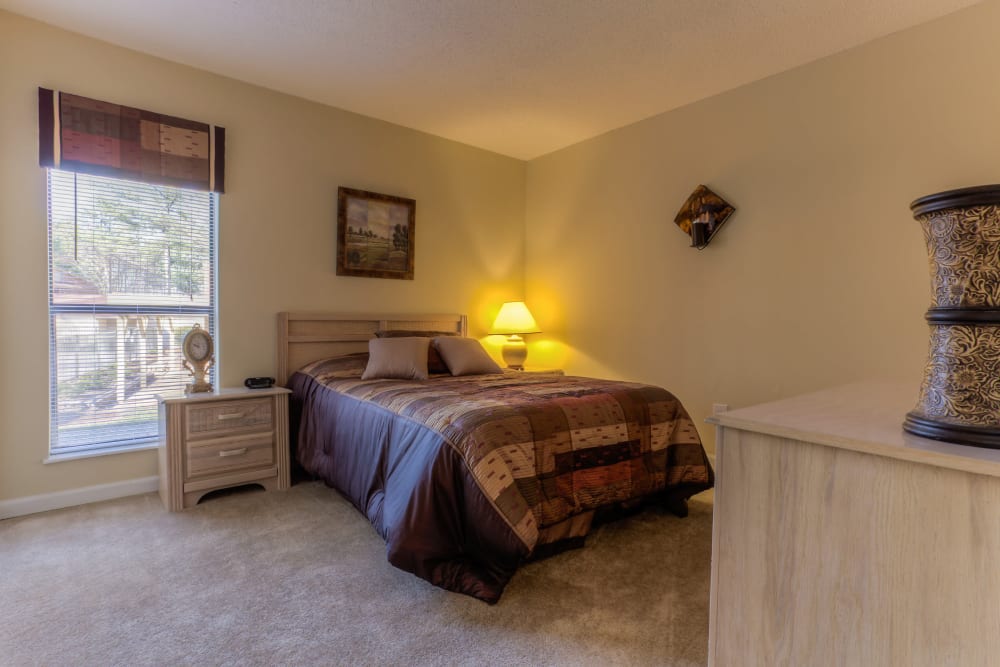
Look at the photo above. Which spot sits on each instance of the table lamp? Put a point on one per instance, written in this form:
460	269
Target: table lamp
514	320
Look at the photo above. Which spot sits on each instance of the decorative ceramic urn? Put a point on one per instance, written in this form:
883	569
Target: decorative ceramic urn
960	396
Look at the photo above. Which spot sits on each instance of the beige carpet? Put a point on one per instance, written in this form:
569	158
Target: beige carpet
255	578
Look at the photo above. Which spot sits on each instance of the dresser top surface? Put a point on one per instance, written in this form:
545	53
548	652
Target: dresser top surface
865	417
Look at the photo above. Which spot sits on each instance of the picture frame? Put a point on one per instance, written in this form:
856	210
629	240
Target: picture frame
376	234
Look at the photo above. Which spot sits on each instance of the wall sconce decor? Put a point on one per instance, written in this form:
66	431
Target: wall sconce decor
702	215
514	320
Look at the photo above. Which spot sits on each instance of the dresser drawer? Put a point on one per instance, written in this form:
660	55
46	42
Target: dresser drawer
211	419
212	457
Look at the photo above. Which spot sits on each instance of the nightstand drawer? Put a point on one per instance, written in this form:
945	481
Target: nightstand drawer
209	419
227	454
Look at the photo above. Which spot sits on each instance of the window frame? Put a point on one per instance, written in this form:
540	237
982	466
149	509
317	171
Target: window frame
210	312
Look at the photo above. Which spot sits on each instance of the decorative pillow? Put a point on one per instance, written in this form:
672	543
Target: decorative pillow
400	358
435	365
465	356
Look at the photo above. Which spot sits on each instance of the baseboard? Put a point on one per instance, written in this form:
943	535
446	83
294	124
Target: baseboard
87	494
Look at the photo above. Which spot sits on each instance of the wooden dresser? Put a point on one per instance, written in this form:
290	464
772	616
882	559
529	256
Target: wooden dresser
222	439
838	539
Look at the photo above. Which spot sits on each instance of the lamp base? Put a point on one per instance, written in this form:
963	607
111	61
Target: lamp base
514	352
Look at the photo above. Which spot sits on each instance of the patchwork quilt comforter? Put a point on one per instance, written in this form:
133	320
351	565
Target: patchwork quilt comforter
467	477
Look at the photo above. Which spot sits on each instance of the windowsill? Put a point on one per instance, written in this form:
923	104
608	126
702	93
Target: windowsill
73	456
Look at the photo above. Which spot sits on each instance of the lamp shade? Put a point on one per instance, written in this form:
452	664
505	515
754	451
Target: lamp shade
514	318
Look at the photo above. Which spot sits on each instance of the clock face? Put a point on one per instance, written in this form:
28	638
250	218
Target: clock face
199	348
198	345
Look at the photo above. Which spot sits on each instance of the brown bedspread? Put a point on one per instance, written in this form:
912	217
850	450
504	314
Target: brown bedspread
466	477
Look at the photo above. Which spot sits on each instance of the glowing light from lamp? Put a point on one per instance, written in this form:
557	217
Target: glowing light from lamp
513	320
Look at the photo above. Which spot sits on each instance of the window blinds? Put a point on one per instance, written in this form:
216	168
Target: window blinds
131	270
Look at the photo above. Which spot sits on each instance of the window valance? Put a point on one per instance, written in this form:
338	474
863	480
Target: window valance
90	136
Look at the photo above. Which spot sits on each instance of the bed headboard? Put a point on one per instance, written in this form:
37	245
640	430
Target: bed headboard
307	337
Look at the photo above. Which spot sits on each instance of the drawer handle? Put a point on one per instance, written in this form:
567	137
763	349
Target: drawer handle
231	415
233	452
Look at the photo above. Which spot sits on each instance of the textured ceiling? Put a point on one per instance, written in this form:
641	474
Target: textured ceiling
519	77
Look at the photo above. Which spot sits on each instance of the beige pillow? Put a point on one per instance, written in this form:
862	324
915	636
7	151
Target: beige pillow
435	365
465	356
399	358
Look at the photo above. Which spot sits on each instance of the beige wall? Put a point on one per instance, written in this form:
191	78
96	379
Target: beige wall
285	159
820	277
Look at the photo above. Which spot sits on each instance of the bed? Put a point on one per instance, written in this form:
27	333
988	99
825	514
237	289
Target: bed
467	477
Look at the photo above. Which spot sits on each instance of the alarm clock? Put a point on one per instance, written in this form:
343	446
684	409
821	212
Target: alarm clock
258	383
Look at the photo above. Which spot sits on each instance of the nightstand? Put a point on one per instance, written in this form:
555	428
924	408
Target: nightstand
221	439
532	370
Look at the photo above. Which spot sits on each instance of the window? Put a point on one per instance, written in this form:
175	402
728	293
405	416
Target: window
132	268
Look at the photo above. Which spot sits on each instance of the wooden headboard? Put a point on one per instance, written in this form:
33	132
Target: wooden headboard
307	337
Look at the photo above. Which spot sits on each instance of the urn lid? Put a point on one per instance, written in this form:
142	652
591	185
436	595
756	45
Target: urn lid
980	195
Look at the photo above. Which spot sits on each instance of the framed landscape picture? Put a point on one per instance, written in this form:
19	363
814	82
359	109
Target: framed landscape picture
375	234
